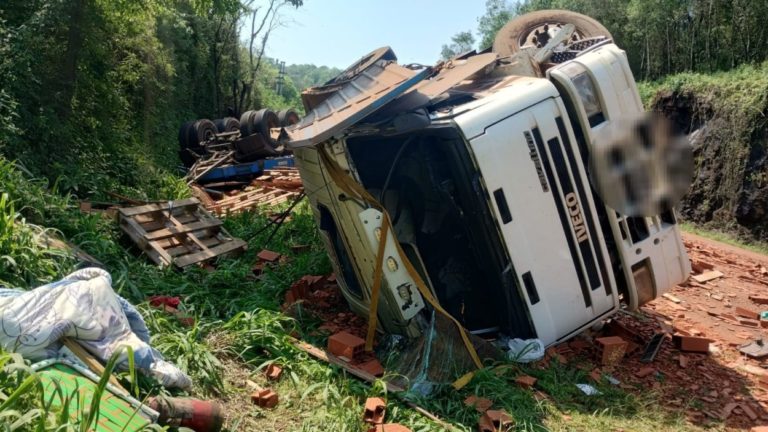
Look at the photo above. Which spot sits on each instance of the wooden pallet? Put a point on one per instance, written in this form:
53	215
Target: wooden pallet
252	197
179	233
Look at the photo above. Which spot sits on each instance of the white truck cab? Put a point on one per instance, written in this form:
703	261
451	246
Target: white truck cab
482	168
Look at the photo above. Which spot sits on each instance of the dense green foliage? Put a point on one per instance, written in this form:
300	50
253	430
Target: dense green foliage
663	36
92	92
307	75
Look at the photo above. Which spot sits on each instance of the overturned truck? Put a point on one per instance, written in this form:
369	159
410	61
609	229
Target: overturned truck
473	188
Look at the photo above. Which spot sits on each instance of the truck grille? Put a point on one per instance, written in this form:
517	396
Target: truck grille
586	254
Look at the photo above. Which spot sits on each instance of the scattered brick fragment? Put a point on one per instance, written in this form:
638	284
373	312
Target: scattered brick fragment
375	409
525	381
759	299
268	256
273	372
389	427
746	313
691	343
481	404
265	398
749	322
494	421
373	367
748	411
707	276
644	372
682	361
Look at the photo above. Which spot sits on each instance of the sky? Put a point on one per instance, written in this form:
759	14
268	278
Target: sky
339	32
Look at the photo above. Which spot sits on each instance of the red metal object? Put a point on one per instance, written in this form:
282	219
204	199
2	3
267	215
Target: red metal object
375	409
198	415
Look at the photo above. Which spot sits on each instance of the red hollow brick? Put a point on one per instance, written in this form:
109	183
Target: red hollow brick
265	398
691	344
613	349
343	344
375	409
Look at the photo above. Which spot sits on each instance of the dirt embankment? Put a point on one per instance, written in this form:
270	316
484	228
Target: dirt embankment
726	116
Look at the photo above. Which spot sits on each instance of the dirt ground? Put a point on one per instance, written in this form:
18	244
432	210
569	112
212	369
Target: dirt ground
723	384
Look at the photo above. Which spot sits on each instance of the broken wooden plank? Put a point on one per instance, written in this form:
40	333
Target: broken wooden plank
188	228
203	255
132	211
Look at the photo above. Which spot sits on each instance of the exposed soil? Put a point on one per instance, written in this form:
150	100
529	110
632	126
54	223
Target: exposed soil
730	186
723	385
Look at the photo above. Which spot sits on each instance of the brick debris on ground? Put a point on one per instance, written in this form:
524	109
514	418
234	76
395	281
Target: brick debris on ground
699	368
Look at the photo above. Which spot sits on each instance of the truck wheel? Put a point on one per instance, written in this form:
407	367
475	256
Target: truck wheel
185	134
204	131
531	30
227	124
245	124
288	117
260	122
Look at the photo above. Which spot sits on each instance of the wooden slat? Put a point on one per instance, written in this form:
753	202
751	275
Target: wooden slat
223	248
181	229
178	250
132	211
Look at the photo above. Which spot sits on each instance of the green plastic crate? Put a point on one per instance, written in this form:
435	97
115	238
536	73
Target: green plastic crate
115	414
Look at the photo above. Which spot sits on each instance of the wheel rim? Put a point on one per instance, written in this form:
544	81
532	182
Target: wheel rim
538	36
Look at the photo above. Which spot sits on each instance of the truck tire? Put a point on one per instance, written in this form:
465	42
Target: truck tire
227	124
288	117
260	122
185	134
519	31
245	124
204	131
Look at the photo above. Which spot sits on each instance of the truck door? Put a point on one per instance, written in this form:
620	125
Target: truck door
545	212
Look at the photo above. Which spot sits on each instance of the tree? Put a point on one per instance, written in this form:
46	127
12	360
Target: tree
497	13
460	43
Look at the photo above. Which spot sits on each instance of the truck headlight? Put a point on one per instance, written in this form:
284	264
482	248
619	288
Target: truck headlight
588	95
644	283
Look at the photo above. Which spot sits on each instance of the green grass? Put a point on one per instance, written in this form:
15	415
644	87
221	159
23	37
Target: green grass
725	237
240	328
